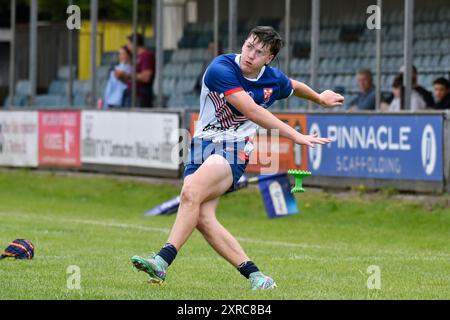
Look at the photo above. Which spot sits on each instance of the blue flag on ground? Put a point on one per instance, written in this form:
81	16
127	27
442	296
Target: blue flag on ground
167	207
276	193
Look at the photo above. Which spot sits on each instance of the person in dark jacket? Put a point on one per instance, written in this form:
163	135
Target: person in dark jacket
441	90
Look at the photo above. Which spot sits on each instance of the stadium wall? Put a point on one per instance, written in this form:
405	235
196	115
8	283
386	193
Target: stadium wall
402	151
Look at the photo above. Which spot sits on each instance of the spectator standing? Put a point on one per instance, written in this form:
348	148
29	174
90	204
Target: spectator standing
115	92
145	73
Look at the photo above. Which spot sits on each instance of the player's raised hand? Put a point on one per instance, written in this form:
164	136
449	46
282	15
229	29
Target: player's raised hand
331	99
311	140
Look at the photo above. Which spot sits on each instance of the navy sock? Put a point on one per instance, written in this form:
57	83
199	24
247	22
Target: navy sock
247	268
168	252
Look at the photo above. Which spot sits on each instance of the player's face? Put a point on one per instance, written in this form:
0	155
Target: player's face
254	57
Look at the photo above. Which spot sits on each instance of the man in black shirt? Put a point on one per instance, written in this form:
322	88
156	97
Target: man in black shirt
441	89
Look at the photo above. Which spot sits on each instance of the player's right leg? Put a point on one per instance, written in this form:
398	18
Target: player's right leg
212	179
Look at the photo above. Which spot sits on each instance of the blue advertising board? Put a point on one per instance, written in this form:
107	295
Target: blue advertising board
404	147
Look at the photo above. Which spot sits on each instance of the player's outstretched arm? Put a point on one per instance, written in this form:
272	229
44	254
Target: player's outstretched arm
327	99
264	118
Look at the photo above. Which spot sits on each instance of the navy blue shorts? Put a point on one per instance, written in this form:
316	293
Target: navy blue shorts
236	153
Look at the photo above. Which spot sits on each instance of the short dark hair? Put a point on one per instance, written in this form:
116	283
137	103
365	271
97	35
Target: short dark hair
268	37
442	81
366	72
139	39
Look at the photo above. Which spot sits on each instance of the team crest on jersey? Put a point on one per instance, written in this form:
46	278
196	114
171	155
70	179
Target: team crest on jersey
267	94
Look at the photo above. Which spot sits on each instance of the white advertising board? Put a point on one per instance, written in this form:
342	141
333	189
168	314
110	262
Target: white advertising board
19	138
137	139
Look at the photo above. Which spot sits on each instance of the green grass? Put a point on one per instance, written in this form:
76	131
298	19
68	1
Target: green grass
97	223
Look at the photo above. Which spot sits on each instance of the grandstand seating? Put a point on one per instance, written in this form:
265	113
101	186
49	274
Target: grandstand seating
18	101
20	98
341	53
51	101
345	47
339	59
64	72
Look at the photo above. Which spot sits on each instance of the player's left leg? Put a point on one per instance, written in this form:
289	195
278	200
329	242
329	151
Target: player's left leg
225	244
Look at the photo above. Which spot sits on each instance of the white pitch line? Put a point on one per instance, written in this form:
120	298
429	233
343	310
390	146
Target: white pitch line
362	258
286	244
119	225
166	231
248	240
89	222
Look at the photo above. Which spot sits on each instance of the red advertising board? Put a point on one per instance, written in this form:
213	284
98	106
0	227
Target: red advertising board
59	138
274	154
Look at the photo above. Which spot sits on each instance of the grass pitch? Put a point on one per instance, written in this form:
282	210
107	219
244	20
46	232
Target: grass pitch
97	224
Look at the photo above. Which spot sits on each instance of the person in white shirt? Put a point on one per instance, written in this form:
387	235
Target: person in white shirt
417	102
115	90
